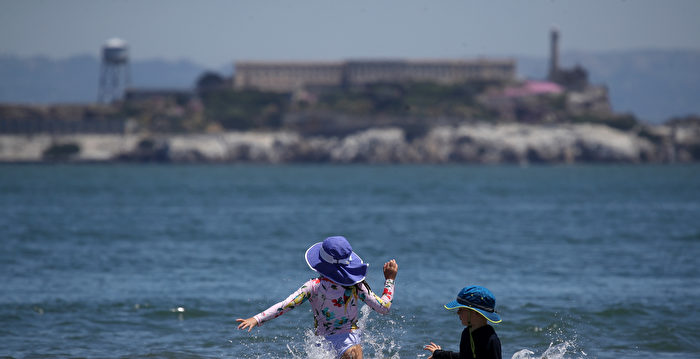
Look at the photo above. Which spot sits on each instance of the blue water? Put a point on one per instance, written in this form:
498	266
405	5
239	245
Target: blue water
151	261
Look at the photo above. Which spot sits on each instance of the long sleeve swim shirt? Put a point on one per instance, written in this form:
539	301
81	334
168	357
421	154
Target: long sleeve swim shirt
334	306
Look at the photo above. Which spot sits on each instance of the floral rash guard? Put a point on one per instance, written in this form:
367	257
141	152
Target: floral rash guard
335	307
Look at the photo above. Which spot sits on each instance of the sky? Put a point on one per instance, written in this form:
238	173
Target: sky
215	33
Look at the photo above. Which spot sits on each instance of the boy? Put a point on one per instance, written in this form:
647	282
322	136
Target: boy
476	307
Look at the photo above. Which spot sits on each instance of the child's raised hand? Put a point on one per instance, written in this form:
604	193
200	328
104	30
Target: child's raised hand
390	269
247	323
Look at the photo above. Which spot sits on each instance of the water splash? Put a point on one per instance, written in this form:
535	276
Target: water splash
378	343
378	340
555	351
313	347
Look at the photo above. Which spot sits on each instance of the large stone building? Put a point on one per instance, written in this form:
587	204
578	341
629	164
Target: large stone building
291	76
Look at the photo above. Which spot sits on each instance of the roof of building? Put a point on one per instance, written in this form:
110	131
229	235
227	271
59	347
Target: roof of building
531	88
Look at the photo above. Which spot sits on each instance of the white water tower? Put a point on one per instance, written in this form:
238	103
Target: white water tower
114	72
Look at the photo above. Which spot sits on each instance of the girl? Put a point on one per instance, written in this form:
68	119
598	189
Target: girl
334	295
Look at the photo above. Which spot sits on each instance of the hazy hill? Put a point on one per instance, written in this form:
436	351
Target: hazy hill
653	84
75	79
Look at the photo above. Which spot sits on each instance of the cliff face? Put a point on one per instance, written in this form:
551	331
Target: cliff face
468	143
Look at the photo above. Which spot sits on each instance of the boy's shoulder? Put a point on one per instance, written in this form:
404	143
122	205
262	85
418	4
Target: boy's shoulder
487	343
486	330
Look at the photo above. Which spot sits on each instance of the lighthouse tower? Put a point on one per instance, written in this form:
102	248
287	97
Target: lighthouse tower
553	54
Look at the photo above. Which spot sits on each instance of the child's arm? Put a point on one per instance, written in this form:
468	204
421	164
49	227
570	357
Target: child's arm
432	347
296	298
437	352
465	350
383	304
446	354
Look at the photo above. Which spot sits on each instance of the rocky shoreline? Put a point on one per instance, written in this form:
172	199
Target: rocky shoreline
468	143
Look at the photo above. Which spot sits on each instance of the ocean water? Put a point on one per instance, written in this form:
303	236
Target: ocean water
157	261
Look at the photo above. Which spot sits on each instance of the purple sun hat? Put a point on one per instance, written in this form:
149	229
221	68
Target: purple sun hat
335	260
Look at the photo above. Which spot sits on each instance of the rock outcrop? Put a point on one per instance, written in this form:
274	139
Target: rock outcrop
468	143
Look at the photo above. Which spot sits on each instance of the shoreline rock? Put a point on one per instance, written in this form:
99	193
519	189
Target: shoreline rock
480	143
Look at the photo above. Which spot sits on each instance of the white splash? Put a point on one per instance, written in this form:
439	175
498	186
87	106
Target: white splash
375	344
314	347
555	351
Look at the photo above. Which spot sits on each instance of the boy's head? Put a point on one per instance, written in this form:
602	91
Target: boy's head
478	299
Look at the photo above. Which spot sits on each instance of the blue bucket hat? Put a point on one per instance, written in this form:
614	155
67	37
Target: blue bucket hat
335	260
478	299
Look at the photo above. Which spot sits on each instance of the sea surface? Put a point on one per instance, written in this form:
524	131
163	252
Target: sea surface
157	261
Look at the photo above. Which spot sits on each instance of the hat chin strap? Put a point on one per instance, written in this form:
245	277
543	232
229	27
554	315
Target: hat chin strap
329	258
471	339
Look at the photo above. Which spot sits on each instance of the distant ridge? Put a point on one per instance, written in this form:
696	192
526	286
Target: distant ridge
655	85
40	80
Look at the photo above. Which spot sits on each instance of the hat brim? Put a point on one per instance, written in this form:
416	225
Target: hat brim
349	274
491	317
